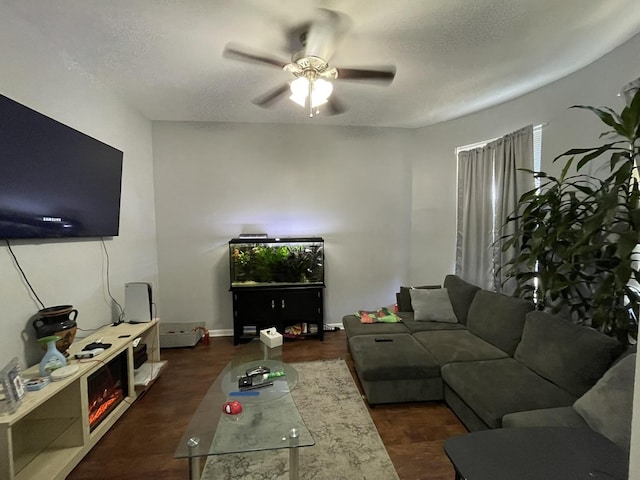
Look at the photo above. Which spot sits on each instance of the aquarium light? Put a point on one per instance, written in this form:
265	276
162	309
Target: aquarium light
253	235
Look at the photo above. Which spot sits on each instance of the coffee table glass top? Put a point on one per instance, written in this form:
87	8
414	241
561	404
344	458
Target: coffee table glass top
269	418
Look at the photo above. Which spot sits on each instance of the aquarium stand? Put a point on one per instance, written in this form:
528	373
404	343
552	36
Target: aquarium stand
295	311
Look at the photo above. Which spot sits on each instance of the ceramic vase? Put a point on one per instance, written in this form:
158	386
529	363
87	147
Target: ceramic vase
59	321
52	359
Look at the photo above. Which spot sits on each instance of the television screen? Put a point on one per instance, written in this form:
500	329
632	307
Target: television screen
55	181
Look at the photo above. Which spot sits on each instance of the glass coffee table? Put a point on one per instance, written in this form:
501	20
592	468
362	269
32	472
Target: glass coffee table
269	419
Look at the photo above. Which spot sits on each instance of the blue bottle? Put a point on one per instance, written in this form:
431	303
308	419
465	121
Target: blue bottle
52	359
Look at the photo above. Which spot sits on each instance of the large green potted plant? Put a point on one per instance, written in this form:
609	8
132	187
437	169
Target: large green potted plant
576	235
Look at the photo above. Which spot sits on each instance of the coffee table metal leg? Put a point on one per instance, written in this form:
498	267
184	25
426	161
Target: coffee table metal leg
194	460
294	454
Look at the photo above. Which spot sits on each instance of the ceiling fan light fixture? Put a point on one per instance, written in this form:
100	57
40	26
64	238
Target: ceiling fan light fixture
320	89
309	83
299	90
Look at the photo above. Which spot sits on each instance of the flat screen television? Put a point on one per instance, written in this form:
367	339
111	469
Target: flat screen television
55	181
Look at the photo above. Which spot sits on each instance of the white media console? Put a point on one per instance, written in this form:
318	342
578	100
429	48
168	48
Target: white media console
51	432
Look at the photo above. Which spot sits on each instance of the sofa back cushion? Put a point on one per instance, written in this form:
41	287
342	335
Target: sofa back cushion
608	406
572	356
498	319
461	294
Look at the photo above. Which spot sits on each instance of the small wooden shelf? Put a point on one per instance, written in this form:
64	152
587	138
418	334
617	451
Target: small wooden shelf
49	433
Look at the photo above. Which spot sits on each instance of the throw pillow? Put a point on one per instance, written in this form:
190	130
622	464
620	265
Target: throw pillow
432	305
404	297
608	406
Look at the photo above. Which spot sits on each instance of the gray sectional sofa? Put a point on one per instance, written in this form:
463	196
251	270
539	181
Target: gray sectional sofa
494	361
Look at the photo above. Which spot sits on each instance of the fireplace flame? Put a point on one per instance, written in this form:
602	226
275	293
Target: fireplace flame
102	403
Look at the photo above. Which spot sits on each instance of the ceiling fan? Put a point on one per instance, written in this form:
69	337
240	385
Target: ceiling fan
312	85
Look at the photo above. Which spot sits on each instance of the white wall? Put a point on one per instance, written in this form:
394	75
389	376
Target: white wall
215	181
433	231
73	272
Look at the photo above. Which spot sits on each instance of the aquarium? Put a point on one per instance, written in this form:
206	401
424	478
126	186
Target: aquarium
276	261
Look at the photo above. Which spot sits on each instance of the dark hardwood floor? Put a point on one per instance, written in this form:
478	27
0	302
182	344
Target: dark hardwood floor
142	443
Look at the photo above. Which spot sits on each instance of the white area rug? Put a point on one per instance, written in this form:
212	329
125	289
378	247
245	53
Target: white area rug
347	447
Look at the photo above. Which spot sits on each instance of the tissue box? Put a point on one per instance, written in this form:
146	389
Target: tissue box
270	337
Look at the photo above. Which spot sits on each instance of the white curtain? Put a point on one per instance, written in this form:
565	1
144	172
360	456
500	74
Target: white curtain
489	186
475	216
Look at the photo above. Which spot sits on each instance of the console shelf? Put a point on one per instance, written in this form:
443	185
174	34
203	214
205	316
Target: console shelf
50	433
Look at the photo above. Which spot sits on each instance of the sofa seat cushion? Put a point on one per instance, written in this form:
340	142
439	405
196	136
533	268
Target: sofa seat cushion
494	388
401	358
448	346
498	319
572	356
545	417
420	326
354	326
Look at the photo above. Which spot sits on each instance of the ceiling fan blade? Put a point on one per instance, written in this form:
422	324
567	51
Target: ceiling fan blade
325	33
383	75
240	53
335	106
267	99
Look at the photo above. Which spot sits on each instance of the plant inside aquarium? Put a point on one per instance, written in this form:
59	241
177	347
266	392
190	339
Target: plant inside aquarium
277	264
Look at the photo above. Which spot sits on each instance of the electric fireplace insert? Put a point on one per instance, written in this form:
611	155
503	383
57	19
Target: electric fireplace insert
107	388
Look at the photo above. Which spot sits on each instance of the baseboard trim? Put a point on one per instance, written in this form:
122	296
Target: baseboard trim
227	332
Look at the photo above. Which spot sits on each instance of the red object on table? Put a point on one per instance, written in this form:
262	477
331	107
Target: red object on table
232	408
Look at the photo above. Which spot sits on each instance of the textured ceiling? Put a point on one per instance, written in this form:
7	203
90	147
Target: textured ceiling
453	57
